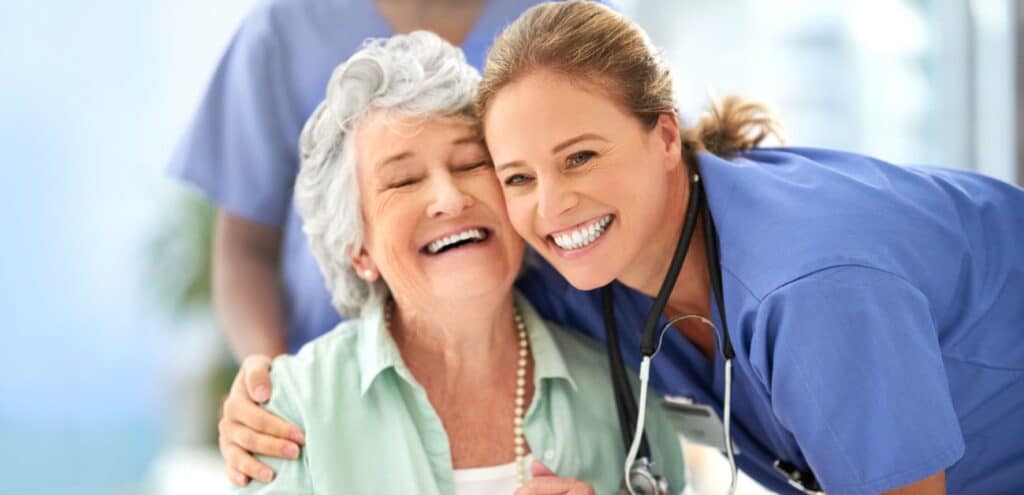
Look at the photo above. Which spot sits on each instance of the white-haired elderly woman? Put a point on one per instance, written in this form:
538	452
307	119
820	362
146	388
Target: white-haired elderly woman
444	380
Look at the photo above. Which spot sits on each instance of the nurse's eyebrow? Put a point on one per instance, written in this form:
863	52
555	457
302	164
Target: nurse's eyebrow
503	166
558	147
571	141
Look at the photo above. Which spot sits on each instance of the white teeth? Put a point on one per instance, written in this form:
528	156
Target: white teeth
582	236
477	234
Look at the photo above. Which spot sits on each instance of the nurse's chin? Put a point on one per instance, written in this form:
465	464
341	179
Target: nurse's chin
584	276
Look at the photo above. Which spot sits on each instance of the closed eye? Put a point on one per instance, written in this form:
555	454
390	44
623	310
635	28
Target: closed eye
471	166
403	183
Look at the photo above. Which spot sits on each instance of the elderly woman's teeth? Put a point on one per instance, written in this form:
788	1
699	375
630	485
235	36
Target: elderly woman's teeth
583	236
464	237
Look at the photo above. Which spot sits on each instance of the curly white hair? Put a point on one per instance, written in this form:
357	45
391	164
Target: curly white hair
418	75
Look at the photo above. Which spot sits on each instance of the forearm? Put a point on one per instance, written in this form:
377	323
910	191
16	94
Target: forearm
932	485
246	286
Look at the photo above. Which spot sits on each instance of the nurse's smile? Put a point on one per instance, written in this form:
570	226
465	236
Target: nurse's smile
582	237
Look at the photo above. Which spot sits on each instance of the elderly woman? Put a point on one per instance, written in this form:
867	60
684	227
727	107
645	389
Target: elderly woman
444	380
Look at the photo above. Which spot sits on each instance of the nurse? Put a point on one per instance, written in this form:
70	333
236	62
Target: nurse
876	312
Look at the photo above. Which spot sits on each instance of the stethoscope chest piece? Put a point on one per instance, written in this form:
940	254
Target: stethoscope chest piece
643	480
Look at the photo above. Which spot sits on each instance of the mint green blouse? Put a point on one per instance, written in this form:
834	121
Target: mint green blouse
370	428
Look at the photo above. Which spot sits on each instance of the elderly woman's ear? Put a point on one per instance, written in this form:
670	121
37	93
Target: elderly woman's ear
364	266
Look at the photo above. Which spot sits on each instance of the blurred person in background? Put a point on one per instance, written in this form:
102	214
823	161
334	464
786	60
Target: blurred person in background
444	380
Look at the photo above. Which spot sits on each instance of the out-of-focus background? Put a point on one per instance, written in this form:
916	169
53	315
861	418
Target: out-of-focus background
111	365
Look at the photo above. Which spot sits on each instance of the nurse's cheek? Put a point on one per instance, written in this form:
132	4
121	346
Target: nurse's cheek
517	204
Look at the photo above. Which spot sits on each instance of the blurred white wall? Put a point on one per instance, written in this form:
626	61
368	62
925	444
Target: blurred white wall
909	81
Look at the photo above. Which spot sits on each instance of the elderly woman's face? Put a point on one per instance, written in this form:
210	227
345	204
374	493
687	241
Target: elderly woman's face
436	225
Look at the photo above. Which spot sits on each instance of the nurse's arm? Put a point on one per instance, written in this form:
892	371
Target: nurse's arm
246	285
932	485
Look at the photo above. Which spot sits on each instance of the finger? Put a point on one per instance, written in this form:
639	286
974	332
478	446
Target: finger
548	485
538	469
258	443
553	485
238	479
262	421
255	371
240	460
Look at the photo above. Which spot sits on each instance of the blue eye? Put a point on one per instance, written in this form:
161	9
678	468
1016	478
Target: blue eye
516	180
579	158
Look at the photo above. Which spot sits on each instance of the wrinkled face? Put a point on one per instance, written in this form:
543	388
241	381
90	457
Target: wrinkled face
436	227
585	182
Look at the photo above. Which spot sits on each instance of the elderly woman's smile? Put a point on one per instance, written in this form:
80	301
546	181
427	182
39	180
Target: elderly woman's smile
435	216
456	240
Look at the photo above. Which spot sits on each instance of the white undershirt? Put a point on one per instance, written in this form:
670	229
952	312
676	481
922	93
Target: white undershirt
489	480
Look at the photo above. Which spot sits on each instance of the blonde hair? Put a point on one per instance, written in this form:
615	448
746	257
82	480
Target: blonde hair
589	42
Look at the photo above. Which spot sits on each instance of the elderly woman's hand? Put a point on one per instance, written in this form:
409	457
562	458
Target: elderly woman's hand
247	429
545	482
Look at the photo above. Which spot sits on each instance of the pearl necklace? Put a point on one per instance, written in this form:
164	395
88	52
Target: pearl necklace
520	409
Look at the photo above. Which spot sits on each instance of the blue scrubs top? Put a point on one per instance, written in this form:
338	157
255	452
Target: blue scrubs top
877	314
241	149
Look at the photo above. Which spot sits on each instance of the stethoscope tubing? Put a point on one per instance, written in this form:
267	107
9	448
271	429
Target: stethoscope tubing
626	406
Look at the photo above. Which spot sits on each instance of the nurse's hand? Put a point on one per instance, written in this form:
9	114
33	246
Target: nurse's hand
247	429
545	482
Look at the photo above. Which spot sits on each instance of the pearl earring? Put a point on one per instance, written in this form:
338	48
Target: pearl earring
367	273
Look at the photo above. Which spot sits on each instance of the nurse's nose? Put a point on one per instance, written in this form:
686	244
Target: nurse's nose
448	199
554	197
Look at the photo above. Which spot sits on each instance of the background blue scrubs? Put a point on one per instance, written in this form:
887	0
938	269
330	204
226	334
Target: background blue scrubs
877	314
241	150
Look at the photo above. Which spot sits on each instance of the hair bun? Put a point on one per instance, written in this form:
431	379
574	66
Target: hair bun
732	125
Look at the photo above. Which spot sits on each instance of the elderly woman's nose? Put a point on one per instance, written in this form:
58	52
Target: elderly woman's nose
449	199
554	198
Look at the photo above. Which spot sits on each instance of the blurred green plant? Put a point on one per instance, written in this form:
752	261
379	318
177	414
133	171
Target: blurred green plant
178	276
178	254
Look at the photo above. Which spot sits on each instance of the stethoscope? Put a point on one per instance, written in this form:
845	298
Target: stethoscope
639	477
638	473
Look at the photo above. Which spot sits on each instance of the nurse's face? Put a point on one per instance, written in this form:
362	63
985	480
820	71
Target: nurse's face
585	182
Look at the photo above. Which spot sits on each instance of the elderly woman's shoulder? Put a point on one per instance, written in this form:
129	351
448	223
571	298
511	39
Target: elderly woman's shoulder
324	361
